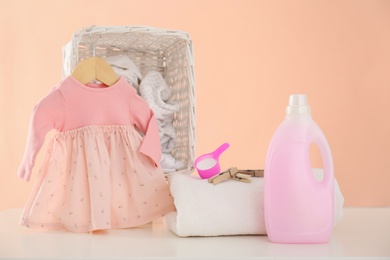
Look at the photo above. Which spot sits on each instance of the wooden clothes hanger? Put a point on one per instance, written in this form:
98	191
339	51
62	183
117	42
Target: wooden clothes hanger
95	68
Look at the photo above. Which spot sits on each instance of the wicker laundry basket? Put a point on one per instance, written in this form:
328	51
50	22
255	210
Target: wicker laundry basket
166	51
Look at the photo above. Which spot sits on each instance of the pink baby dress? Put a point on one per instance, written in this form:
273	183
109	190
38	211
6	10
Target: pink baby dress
100	169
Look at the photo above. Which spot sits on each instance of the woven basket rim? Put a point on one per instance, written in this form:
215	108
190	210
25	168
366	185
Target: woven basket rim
133	28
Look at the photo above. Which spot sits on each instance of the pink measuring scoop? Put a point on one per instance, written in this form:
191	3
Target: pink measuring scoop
207	165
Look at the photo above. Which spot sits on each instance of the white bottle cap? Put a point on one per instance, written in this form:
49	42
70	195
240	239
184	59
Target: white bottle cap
298	105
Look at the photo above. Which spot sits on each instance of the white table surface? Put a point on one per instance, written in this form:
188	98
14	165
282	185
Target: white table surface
363	232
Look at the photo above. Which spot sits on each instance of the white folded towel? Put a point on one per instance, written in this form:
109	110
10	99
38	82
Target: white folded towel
204	209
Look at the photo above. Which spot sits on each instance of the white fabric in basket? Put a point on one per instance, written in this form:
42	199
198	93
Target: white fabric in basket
157	94
124	66
229	208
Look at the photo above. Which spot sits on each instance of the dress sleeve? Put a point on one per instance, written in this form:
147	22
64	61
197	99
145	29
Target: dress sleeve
145	121
47	115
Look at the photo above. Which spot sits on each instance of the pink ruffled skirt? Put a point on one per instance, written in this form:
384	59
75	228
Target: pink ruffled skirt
94	178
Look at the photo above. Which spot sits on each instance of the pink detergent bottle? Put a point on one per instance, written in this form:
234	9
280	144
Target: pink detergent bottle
298	209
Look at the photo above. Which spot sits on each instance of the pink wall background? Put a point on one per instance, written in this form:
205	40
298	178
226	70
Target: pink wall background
249	56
